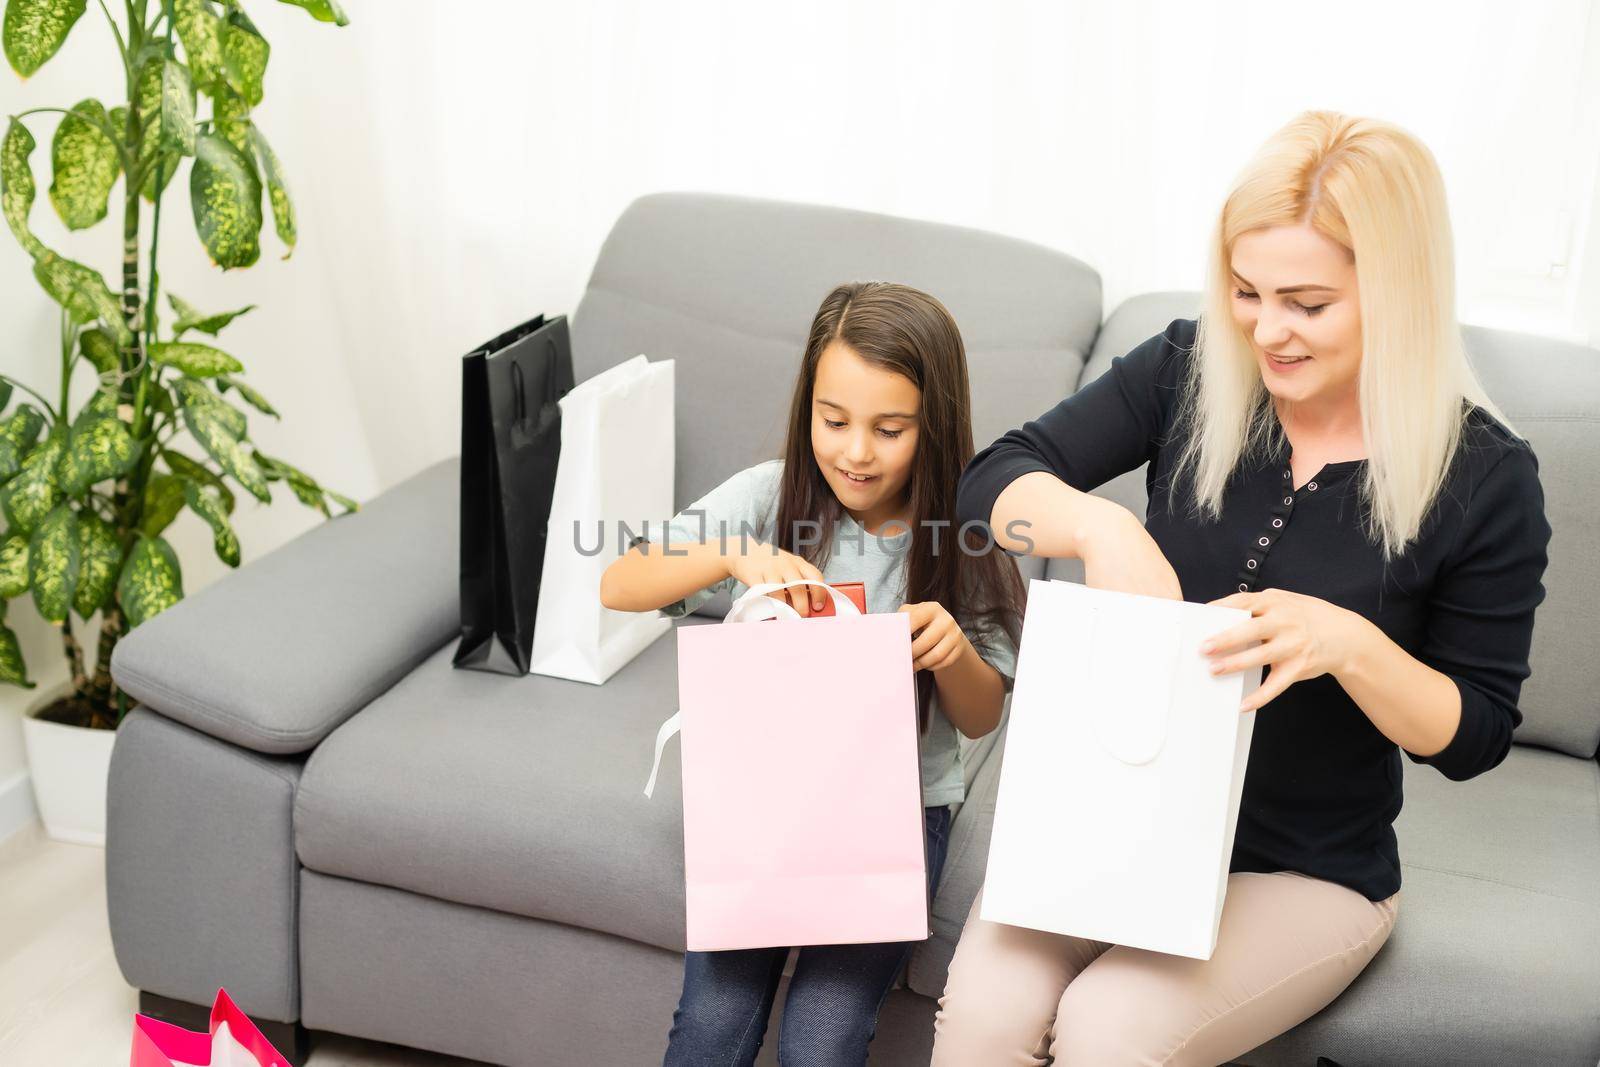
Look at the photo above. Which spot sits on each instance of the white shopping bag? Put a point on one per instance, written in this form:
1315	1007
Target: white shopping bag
1124	763
615	472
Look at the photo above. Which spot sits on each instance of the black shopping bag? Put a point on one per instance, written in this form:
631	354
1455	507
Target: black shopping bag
511	389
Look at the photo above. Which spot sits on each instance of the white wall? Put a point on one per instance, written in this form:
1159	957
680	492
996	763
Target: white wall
457	165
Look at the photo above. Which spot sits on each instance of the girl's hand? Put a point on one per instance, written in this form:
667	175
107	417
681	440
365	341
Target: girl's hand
936	640
762	563
1300	637
1120	555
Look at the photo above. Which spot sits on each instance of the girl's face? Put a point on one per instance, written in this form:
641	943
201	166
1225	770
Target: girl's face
1295	298
863	433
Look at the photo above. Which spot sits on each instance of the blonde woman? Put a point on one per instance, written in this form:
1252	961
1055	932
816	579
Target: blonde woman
1322	455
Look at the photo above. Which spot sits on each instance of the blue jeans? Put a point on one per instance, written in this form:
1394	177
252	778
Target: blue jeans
832	1010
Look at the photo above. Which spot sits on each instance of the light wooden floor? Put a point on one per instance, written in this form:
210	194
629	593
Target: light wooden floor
63	1002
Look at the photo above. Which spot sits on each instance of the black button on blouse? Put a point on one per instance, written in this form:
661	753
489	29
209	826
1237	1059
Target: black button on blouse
1323	785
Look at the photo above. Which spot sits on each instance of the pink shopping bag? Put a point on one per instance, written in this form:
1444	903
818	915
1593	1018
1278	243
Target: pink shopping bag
802	794
233	1041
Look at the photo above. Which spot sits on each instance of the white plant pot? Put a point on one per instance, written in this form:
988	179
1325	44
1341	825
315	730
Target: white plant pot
68	765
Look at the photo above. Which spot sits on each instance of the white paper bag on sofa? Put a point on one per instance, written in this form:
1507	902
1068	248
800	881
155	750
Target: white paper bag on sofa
1124	763
615	470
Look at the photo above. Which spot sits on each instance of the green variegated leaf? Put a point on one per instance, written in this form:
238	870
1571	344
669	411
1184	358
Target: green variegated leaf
196	471
161	399
192	318
53	563
230	117
100	350
16	185
102	405
207	425
201	34
163	499
225	195
83	292
99	561
86	165
18	431
342	500
177	107
322	10
34	29
193	393
244	56
13	566
159	154
195	360
277	190
5	394
12	669
151	581
309	495
251	397
207	503
304	487
31	494
22	427
100	449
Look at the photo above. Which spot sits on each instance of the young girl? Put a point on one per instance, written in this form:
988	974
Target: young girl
879	431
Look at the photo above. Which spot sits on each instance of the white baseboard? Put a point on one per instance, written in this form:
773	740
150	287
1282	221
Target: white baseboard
17	810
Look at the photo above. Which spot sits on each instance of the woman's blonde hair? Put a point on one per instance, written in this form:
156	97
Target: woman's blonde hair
1375	189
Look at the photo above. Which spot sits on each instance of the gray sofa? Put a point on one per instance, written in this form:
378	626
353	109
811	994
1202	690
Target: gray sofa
312	808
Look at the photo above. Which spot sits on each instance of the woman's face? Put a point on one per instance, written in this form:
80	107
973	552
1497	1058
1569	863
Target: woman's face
1295	298
863	432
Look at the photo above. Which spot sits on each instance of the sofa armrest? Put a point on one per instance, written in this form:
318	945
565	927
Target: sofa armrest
276	655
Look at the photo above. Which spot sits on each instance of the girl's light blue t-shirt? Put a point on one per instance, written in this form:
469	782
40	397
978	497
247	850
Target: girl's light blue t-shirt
748	503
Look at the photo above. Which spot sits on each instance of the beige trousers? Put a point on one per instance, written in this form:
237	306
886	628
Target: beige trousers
1288	945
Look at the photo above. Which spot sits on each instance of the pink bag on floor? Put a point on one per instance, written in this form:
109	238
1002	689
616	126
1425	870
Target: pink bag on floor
802	792
233	1041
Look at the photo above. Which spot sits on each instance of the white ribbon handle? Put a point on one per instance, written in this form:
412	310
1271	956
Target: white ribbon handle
1133	661
663	735
750	606
754	606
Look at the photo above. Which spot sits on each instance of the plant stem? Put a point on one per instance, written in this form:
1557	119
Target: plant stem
68	337
122	45
150	304
126	503
80	679
23	386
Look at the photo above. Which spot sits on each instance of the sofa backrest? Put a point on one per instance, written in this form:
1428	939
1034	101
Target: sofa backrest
1550	391
727	287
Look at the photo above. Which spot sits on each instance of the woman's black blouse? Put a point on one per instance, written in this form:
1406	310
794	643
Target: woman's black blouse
1322	789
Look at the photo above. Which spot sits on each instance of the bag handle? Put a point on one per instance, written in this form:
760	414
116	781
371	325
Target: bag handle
750	606
1133	692
754	606
519	407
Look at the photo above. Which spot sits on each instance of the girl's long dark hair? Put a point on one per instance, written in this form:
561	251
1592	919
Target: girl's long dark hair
906	331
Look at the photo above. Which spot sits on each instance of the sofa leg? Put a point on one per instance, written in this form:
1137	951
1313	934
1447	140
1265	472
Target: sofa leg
291	1039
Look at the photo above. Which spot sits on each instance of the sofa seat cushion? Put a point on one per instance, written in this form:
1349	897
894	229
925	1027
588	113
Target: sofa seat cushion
520	794
1495	958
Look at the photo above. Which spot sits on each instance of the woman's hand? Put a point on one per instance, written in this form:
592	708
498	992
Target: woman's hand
762	563
936	641
1120	555
1297	636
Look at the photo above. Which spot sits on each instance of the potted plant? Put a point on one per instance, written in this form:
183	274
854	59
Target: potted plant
91	475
